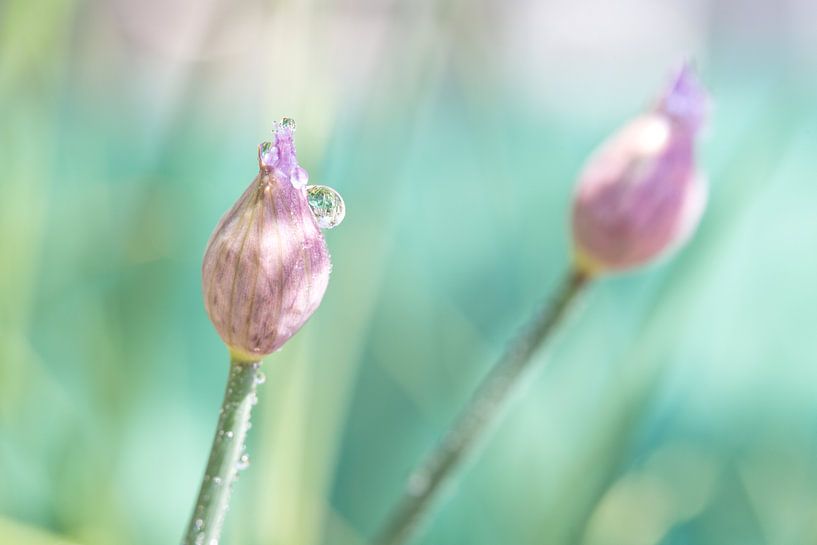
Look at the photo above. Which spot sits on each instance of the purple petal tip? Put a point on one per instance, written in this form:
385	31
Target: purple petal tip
279	156
685	99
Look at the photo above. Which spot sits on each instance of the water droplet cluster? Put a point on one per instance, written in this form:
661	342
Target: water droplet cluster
228	457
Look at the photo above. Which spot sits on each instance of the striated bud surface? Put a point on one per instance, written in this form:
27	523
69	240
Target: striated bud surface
640	194
266	266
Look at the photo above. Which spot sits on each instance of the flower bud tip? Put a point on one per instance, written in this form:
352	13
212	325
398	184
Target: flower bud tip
279	157
685	100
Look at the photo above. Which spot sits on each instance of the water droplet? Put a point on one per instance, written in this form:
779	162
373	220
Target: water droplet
327	205
260	378
243	462
288	123
199	524
217	481
229	435
418	483
299	178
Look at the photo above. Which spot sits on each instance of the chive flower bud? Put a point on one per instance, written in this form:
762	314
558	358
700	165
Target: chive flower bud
640	195
267	266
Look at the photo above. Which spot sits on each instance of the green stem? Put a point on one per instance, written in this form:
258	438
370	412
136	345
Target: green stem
425	481
227	455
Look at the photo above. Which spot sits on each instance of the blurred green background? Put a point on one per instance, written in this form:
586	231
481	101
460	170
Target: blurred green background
678	406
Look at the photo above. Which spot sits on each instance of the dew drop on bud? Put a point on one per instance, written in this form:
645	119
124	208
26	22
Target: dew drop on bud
260	378
327	205
299	177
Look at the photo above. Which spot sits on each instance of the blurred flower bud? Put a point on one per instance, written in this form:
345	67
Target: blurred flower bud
266	266
640	195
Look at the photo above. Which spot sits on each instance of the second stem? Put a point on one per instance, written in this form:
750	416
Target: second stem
425	482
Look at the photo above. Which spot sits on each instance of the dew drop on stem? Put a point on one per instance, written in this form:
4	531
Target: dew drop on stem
243	462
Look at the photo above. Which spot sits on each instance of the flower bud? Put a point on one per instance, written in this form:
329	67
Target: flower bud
266	266
640	194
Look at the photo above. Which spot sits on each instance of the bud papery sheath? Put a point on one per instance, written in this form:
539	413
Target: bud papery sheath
640	194
266	266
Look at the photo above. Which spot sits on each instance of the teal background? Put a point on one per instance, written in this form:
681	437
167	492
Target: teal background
678	404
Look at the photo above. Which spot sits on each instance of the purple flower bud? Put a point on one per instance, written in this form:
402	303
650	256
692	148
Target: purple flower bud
640	194
266	266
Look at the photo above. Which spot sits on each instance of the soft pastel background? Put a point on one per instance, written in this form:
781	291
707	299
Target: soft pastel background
678	406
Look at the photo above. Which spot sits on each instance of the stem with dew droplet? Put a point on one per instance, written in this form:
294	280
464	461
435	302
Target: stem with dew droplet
227	455
426	480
